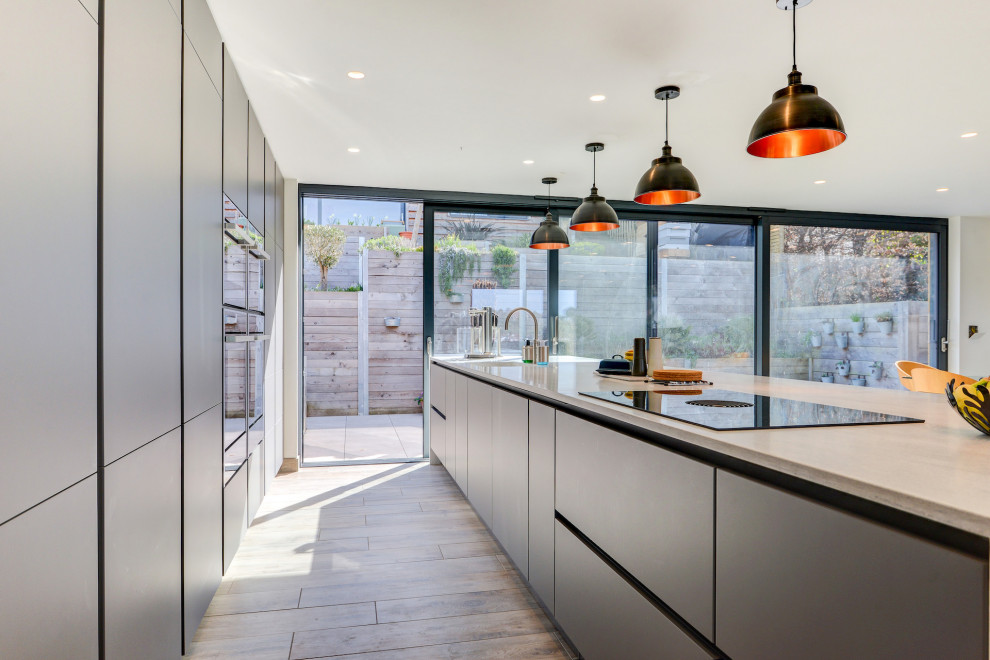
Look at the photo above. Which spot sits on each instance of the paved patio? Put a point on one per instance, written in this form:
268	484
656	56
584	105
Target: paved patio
363	437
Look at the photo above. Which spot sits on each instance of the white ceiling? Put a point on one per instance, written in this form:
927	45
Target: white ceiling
459	92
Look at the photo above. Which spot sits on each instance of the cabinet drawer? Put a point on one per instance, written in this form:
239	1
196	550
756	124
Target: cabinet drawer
605	616
510	476
438	382
541	521
799	579
479	449
648	508
438	436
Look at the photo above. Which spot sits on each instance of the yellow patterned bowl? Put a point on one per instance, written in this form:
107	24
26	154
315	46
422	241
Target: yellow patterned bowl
972	402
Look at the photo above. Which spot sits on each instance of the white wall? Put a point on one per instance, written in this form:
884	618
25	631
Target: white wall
290	373
969	295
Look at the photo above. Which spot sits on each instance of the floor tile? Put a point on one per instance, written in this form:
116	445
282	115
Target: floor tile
384	561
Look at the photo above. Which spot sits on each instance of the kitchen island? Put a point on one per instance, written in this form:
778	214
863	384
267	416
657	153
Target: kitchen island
650	537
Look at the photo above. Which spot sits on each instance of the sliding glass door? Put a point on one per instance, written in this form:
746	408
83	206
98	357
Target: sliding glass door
362	331
484	260
847	303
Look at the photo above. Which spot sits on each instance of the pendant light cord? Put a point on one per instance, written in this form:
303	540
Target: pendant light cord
594	170
666	120
794	34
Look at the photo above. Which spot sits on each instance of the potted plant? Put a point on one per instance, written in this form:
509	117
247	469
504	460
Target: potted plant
456	298
828	377
876	369
856	379
842	368
842	340
816	339
886	322
419	400
828	327
857	322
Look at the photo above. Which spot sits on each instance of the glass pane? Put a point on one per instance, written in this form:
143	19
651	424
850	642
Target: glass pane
485	260
256	380
235	260
848	303
256	275
706	283
603	294
234	389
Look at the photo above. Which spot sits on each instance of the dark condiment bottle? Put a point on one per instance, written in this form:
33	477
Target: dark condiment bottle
639	357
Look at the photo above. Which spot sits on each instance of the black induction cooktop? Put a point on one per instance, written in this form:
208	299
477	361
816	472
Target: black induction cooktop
724	410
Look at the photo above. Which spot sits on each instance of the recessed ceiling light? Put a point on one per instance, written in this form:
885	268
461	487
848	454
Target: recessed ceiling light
527	162
355	75
597	98
353	150
969	135
941	190
819	182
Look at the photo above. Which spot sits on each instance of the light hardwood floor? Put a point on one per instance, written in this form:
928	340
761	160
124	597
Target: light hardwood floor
381	562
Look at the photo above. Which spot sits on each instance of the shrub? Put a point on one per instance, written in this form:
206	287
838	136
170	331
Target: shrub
453	261
503	265
324	244
390	243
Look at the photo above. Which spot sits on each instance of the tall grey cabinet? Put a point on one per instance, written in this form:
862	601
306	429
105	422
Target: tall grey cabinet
48	391
142	394
112	514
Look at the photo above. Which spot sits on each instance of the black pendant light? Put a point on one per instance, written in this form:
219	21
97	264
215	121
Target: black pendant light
667	181
594	214
797	122
549	235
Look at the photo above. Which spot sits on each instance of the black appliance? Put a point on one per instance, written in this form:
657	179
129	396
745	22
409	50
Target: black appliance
724	410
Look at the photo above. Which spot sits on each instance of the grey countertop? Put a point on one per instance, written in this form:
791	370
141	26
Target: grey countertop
939	470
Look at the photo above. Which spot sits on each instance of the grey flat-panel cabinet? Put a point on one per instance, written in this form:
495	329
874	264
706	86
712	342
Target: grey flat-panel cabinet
438	392
202	223
234	514
256	480
48	578
142	545
256	172
438	435
510	476
649	509
450	397
270	225
461	431
798	579
279	208
205	38
235	136
541	504
202	515
605	617
48	211
479	448
141	153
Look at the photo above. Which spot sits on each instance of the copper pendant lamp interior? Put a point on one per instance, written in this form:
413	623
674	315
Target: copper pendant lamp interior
549	235
667	181
594	214
798	122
